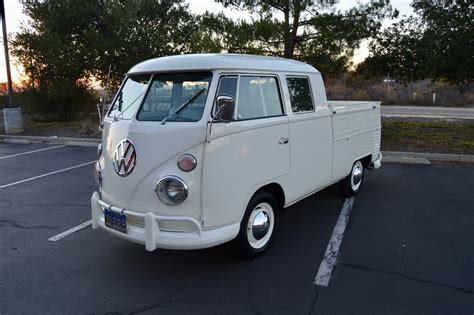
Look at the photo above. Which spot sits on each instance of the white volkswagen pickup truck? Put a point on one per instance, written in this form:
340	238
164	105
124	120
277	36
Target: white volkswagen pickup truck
198	150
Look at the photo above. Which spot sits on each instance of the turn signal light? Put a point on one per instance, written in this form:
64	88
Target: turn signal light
187	162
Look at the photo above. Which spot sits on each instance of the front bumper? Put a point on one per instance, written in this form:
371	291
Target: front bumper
152	237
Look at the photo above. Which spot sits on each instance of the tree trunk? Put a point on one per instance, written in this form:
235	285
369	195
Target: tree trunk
286	31
290	31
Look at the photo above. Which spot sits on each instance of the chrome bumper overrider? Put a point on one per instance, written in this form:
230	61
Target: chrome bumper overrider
378	161
152	237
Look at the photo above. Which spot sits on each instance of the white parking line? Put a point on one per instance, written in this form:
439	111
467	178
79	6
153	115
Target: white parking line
70	231
44	175
34	151
332	251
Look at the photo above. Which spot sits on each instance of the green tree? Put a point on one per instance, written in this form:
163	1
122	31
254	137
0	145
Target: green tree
69	43
215	33
396	51
126	34
448	38
55	59
314	31
219	33
437	44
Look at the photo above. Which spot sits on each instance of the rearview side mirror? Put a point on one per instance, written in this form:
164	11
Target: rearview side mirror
225	108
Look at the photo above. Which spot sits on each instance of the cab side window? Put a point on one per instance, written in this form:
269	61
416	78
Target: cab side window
259	97
228	86
300	94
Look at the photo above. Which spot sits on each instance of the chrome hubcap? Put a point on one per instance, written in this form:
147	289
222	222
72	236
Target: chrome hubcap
356	176
260	225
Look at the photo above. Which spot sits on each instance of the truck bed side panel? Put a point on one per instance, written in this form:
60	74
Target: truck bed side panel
356	134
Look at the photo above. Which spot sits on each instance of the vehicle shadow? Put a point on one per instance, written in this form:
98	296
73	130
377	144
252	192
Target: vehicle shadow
220	275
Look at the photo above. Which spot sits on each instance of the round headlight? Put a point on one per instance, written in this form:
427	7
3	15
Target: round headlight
187	162
171	190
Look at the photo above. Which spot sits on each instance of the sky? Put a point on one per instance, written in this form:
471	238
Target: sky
15	18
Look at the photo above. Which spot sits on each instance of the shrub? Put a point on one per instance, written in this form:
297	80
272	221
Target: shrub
413	93
61	101
90	127
17	100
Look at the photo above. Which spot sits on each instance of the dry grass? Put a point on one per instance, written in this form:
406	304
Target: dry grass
428	136
414	93
84	128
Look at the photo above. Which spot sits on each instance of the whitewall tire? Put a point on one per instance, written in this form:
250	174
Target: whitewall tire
351	185
257	229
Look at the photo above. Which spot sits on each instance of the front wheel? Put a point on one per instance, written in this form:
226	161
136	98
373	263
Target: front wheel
351	185
258	225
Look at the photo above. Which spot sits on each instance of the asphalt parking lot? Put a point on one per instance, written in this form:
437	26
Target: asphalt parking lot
408	248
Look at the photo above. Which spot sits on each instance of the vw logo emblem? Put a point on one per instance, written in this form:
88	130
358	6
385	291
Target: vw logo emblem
125	158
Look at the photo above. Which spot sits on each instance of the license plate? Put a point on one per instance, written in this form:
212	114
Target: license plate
116	221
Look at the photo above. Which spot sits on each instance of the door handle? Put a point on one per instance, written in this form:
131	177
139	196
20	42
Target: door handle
283	141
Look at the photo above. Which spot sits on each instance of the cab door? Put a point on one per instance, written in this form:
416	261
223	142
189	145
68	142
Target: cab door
251	150
310	128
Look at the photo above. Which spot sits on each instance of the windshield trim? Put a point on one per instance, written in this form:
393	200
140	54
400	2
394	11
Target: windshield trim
211	75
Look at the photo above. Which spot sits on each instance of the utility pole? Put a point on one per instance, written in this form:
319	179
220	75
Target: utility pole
7	59
12	117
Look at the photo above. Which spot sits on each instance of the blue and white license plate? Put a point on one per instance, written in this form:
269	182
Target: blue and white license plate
115	220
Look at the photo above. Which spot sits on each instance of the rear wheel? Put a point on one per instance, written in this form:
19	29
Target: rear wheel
257	229
351	185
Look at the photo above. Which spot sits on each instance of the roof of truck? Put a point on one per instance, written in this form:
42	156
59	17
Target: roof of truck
221	62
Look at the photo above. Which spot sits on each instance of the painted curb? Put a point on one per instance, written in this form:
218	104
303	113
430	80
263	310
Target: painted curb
432	157
17	141
405	160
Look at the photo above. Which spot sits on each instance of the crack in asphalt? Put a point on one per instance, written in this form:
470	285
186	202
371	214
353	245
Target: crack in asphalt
23	225
11	203
393	273
171	301
315	299
7	201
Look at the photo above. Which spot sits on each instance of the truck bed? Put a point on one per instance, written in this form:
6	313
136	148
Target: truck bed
356	133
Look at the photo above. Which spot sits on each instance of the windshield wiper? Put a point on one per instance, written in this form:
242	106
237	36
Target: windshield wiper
121	113
183	106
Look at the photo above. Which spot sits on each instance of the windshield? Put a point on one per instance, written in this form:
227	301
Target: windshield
169	92
129	97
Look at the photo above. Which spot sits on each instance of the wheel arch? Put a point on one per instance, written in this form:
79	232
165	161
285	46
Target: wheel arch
276	190
366	160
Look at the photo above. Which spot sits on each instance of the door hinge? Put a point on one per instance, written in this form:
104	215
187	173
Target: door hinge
203	217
